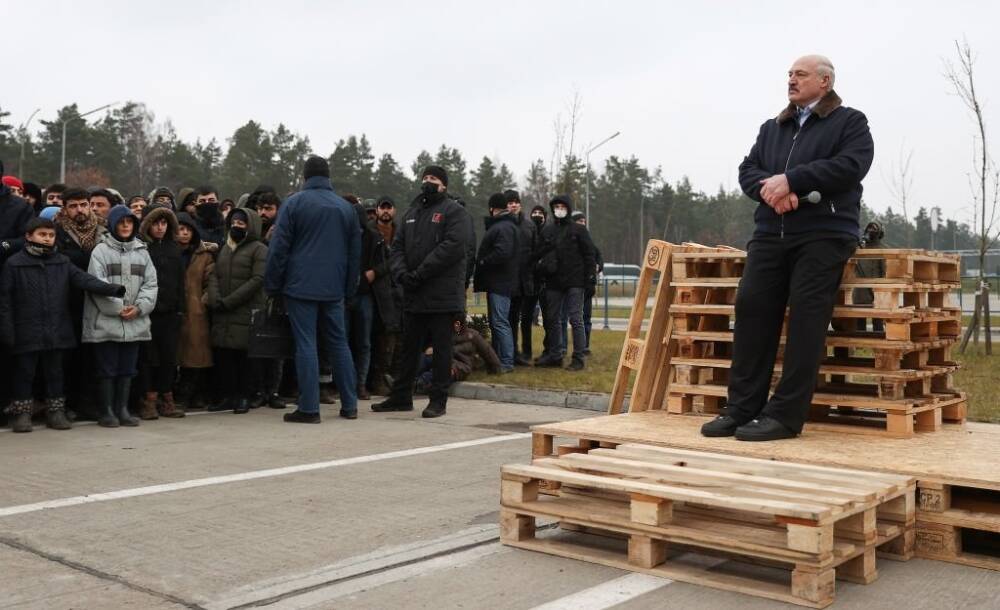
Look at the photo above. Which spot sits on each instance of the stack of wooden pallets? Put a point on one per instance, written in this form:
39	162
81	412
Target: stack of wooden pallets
674	507
888	368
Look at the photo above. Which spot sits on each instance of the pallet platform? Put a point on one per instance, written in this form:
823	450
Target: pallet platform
958	481
819	523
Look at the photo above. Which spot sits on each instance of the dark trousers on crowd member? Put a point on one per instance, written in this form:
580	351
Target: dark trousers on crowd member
306	318
419	329
113	359
158	357
24	371
522	314
233	373
552	318
360	316
385	358
802	272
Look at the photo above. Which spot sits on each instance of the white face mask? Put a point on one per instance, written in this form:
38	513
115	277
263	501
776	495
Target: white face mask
560	212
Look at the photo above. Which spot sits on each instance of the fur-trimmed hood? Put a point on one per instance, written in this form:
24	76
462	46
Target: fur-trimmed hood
153	214
827	104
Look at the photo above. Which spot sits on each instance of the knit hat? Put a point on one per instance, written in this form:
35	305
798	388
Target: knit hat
33	190
511	195
13	181
539	208
49	213
316	166
498	201
437	171
577	215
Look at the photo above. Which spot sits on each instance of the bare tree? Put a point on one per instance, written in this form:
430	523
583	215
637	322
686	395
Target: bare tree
900	183
986	191
575	110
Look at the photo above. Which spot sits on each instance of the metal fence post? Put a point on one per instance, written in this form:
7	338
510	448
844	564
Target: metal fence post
606	325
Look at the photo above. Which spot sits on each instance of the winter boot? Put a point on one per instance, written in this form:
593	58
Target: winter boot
55	415
20	414
148	408
122	385
434	409
170	409
106	397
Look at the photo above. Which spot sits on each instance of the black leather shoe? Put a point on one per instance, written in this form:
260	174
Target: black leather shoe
349	414
521	361
391	405
722	425
434	409
298	417
241	406
764	428
548	361
274	401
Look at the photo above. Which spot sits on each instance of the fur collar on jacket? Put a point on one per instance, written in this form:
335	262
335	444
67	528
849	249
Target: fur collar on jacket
827	104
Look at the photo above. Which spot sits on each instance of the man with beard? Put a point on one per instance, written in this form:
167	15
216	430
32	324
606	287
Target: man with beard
101	202
268	204
388	301
208	215
78	230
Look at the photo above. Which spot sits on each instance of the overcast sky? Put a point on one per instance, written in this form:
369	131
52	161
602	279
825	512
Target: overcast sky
686	83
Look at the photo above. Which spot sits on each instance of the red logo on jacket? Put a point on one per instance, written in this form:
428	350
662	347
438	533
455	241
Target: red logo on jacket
437	217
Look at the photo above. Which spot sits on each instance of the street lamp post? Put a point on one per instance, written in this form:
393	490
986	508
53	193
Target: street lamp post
62	161
24	136
592	149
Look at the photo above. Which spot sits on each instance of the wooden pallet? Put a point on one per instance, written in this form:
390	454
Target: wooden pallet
958	484
819	522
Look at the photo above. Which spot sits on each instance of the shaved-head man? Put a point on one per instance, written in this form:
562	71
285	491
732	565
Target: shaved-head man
805	172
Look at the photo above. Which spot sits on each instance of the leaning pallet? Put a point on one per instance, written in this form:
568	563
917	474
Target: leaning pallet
958	483
892	379
818	523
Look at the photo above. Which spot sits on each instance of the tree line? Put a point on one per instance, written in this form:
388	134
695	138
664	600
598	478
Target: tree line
129	149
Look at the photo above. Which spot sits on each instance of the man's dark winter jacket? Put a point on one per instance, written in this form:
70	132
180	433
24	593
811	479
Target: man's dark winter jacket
211	227
34	301
369	238
831	153
315	251
429	255
14	216
388	296
568	248
526	256
168	260
497	259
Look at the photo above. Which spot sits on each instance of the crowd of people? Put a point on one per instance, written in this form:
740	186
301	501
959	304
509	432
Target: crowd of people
113	307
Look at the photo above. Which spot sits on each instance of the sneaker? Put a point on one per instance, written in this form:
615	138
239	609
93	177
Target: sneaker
274	402
722	425
299	417
434	409
764	428
389	405
349	414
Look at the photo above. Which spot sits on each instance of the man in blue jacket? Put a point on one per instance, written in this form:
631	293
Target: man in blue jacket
313	260
819	149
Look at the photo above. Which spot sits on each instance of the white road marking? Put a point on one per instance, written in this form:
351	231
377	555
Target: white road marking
608	594
249	476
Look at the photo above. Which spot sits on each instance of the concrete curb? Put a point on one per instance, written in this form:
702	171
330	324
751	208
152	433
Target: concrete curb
590	401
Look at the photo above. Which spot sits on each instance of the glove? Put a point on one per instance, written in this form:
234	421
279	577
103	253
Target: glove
410	281
119	290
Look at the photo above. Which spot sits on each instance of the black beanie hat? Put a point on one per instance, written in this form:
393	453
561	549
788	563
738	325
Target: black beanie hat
498	201
511	195
316	166
437	171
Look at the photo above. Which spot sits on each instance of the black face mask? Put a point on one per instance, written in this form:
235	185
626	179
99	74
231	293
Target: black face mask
430	191
238	233
208	211
538	220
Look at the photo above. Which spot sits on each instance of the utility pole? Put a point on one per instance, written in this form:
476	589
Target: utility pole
587	179
23	131
62	162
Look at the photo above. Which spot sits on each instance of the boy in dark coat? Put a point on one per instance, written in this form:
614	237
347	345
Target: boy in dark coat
496	274
35	319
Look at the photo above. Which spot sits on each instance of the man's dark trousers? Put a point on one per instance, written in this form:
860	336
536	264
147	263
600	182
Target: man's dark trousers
419	329
803	271
572	300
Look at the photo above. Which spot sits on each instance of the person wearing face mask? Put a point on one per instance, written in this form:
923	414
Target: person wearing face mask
235	289
158	358
117	325
428	259
208	214
567	260
163	196
35	320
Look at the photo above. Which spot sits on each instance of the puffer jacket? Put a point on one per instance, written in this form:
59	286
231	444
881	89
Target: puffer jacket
236	286
35	301
527	246
567	250
194	350
429	255
166	257
126	263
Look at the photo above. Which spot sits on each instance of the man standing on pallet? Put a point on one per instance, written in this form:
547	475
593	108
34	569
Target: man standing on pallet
805	170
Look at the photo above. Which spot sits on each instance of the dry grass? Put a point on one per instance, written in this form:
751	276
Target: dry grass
978	378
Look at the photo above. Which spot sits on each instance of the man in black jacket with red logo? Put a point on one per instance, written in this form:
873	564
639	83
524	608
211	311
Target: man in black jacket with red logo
428	259
816	149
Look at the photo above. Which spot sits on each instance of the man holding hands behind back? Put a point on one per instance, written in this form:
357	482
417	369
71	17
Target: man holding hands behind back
797	253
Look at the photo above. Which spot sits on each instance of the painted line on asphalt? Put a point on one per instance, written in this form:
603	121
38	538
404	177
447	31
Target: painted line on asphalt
250	476
608	594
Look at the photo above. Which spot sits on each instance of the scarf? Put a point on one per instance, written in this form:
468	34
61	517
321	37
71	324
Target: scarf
85	235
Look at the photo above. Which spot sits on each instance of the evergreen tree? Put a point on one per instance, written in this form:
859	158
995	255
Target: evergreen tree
390	181
248	162
538	186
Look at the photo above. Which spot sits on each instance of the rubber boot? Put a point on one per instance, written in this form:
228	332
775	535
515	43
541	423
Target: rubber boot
106	399
122	385
55	415
169	408
148	409
20	412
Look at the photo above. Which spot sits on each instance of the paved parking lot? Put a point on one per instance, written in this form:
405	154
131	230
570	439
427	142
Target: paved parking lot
219	511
